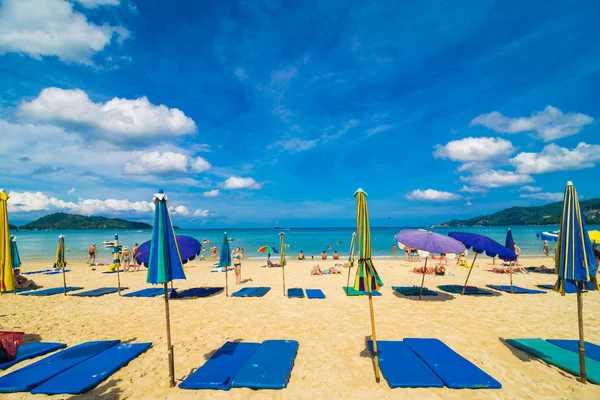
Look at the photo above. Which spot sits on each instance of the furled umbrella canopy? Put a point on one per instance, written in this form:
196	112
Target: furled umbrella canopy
282	257
510	244
6	268
14	252
225	260
60	261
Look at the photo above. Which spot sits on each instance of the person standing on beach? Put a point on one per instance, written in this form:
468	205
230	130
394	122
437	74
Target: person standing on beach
126	258
214	252
136	265
92	252
517	253
546	248
237	256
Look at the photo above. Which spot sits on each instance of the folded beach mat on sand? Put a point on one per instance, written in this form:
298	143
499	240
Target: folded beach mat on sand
297	293
352	292
99	292
56	272
413	291
516	289
562	358
315	294
33	375
453	369
591	350
269	367
195	292
221	367
472	290
91	372
401	367
252	292
31	350
51	291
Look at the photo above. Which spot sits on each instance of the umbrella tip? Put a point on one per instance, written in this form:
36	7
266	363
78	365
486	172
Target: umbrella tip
360	190
160	191
569	183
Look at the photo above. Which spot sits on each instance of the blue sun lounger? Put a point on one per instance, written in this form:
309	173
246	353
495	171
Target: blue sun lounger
591	350
31	350
196	292
315	294
51	291
401	367
41	271
99	292
148	292
413	291
471	290
221	367
269	367
93	371
111	272
454	370
516	289
252	292
297	293
31	376
56	272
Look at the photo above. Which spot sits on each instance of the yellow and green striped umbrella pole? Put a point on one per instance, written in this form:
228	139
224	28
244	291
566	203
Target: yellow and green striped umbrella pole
350	261
6	268
282	257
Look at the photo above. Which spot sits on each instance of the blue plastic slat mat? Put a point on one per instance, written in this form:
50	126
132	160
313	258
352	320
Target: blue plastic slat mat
99	292
471	290
196	292
56	272
36	272
91	372
591	350
401	367
259	292
148	292
269	367
315	294
243	292
295	293
516	289
31	350
33	375
111	272
453	369
51	291
413	291
221	367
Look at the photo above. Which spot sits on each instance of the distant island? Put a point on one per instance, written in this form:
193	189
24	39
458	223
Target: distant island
80	222
12	227
548	214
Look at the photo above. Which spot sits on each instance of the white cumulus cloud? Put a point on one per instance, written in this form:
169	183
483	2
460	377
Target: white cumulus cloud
156	163
96	3
52	28
36	201
211	193
200	213
530	189
431	195
241	183
549	124
555	158
71	191
473	189
553	197
117	118
496	178
473	149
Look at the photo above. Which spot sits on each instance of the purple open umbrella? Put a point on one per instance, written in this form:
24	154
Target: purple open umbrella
428	241
189	248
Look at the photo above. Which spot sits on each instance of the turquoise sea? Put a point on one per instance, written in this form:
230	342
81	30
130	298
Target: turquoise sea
35	245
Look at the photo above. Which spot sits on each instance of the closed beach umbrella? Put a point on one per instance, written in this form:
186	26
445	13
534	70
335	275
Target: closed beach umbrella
282	257
481	244
116	264
14	252
225	260
430	242
510	244
6	267
350	261
189	248
164	262
575	262
60	261
367	279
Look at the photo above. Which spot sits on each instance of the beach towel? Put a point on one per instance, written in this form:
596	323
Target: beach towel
516	289
9	343
31	350
252	292
221	367
454	370
591	350
401	367
195	292
99	292
471	290
297	293
90	373
555	355
269	367
33	375
315	294
413	291
51	291
352	292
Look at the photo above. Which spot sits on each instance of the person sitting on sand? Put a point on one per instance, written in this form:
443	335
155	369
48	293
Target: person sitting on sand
419	270
407	253
336	256
271	265
301	256
21	282
462	260
316	270
323	255
439	269
543	268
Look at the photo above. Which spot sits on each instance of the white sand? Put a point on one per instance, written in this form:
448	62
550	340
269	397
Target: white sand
332	360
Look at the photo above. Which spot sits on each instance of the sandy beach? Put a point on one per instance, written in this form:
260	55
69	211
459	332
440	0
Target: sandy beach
332	359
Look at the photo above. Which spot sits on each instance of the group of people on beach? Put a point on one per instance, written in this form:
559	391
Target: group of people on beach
128	258
324	255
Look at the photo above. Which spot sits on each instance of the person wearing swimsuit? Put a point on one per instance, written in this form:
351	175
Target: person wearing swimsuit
92	253
237	265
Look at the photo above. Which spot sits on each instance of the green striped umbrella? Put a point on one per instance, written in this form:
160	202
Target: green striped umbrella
282	257
367	279
225	260
60	259
351	260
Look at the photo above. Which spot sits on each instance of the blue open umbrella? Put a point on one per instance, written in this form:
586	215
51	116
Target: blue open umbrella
575	262
164	263
14	252
510	244
225	260
481	244
189	248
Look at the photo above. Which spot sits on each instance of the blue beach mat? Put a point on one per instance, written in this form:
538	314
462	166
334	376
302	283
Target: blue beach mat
221	367
33	375
591	350
413	291
196	292
454	370
31	350
41	271
111	272
570	287
562	358
315	294
516	289
401	367
352	292
56	272
27	289
471	290
269	367
51	291
297	293
99	292
252	292
148	292
90	373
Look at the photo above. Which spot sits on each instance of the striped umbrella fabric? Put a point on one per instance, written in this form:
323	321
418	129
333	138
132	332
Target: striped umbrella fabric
14	252
367	279
60	261
351	260
6	269
225	260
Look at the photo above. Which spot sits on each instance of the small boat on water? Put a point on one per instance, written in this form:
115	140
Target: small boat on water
206	241
276	225
229	239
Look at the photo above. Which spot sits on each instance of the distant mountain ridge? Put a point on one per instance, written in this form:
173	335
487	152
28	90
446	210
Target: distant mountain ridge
80	222
548	214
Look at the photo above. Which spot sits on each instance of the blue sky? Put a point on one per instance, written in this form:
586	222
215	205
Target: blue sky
247	113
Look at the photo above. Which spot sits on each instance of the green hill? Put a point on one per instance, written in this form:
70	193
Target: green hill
75	221
548	214
12	227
